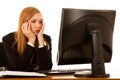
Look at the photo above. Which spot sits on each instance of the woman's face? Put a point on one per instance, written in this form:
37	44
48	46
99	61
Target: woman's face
36	23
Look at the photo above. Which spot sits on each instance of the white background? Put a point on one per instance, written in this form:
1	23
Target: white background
51	10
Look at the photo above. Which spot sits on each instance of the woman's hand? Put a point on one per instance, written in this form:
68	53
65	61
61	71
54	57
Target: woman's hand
28	33
40	35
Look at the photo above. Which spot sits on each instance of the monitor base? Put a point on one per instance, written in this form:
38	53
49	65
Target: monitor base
89	74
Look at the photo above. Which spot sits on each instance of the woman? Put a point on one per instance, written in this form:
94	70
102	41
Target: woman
28	49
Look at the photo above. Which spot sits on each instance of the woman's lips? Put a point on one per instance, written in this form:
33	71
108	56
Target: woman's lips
37	31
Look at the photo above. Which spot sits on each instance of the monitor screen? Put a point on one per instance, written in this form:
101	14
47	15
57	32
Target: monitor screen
77	41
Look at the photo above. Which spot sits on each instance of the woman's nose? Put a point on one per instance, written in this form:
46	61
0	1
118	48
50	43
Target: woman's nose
38	25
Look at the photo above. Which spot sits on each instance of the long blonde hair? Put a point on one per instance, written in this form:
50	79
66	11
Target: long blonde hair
20	38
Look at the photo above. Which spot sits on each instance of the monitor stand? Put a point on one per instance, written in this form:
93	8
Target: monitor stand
98	67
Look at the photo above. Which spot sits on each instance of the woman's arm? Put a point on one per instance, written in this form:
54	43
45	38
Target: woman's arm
16	61
45	55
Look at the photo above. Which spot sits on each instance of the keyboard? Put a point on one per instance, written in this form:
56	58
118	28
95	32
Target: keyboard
62	71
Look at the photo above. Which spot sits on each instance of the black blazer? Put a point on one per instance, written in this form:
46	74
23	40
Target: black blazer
25	62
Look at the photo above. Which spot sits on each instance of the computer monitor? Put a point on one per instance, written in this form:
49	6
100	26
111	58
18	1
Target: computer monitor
86	37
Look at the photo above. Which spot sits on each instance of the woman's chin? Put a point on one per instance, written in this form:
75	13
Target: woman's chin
36	34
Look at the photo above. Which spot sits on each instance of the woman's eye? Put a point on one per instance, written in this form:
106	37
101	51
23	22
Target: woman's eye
33	21
40	22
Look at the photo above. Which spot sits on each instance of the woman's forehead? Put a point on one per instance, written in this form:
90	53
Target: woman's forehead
37	16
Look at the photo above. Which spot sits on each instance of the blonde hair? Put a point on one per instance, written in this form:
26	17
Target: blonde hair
20	38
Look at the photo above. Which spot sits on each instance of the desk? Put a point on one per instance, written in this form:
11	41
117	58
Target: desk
65	77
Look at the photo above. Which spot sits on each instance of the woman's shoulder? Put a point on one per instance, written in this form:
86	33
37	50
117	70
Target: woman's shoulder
47	37
9	37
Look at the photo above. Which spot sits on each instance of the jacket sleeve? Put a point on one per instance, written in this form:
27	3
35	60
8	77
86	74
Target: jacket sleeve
45	56
14	60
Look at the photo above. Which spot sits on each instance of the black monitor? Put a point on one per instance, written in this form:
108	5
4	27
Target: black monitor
86	36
